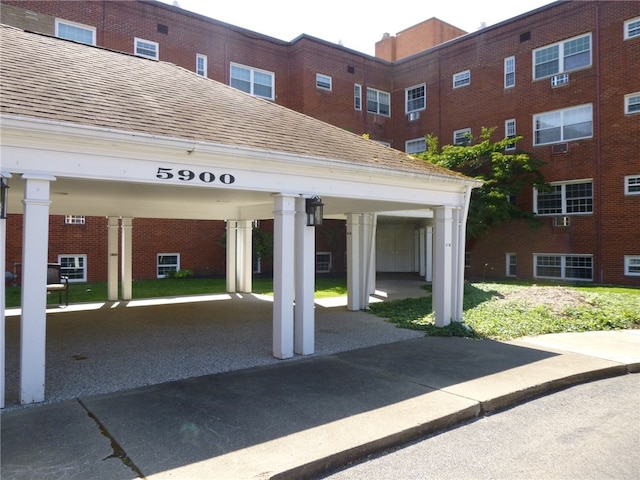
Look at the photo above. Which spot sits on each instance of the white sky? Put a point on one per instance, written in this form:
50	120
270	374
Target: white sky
355	24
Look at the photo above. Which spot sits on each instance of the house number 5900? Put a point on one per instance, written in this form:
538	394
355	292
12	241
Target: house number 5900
189	175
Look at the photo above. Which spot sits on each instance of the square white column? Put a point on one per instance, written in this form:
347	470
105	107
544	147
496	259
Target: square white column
127	258
113	259
443	272
304	311
232	235
283	274
244	256
33	325
354	269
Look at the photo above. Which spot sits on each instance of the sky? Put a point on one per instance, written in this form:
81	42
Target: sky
353	23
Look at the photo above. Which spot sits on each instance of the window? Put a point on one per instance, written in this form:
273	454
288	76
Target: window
563	267
563	125
461	79
323	82
258	83
562	57
510	132
462	137
145	48
167	263
74	267
76	32
632	185
632	103
415	98
74	219
201	64
415	146
323	262
357	96
632	28
511	264
378	102
509	72
565	199
632	265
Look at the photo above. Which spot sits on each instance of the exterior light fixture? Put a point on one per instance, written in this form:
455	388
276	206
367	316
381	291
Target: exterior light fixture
314	211
4	191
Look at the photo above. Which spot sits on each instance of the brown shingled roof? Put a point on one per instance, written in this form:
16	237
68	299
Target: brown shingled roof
57	80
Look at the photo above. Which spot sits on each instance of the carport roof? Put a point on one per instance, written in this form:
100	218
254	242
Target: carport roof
56	80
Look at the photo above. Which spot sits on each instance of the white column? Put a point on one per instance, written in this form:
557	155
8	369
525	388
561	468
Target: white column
443	294
35	243
112	260
305	251
3	246
283	272
367	262
244	256
127	256
232	235
354	272
428	254
456	260
422	252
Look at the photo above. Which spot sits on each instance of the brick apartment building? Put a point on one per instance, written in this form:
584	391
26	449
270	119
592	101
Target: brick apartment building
560	76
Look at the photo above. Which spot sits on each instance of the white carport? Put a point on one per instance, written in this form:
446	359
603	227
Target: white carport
98	133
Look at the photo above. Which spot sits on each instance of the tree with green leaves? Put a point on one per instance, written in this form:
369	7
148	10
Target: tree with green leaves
505	175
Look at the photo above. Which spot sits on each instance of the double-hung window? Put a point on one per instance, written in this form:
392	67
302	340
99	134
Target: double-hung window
415	98
561	57
632	103
259	83
632	185
74	267
632	28
75	31
511	264
510	132
378	102
565	199
462	79
357	96
563	267
562	125
167	263
509	72
323	262
201	65
632	265
462	136
417	145
145	48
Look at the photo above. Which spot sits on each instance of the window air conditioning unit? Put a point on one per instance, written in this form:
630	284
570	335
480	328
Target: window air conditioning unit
561	221
558	80
560	148
413	116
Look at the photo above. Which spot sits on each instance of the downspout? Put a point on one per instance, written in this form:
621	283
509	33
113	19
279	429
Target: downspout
598	185
462	247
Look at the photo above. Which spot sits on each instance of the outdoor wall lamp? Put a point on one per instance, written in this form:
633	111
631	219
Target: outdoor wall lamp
4	191
314	211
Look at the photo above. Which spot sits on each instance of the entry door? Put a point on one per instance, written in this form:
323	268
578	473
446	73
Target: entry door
395	248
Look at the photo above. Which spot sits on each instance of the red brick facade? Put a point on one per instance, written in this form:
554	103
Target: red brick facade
606	234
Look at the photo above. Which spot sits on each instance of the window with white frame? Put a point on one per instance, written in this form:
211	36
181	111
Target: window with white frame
632	185
74	267
378	102
75	31
565	199
324	82
510	132
259	83
563	267
632	103
323	262
74	219
415	98
167	263
509	72
145	48
565	56
357	96
632	28
461	79
201	64
563	125
462	136
511	264
632	265
415	146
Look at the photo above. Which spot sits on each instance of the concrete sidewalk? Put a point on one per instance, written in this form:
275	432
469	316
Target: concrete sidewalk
298	419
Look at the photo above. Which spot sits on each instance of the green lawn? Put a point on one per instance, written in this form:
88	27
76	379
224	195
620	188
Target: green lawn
505	311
